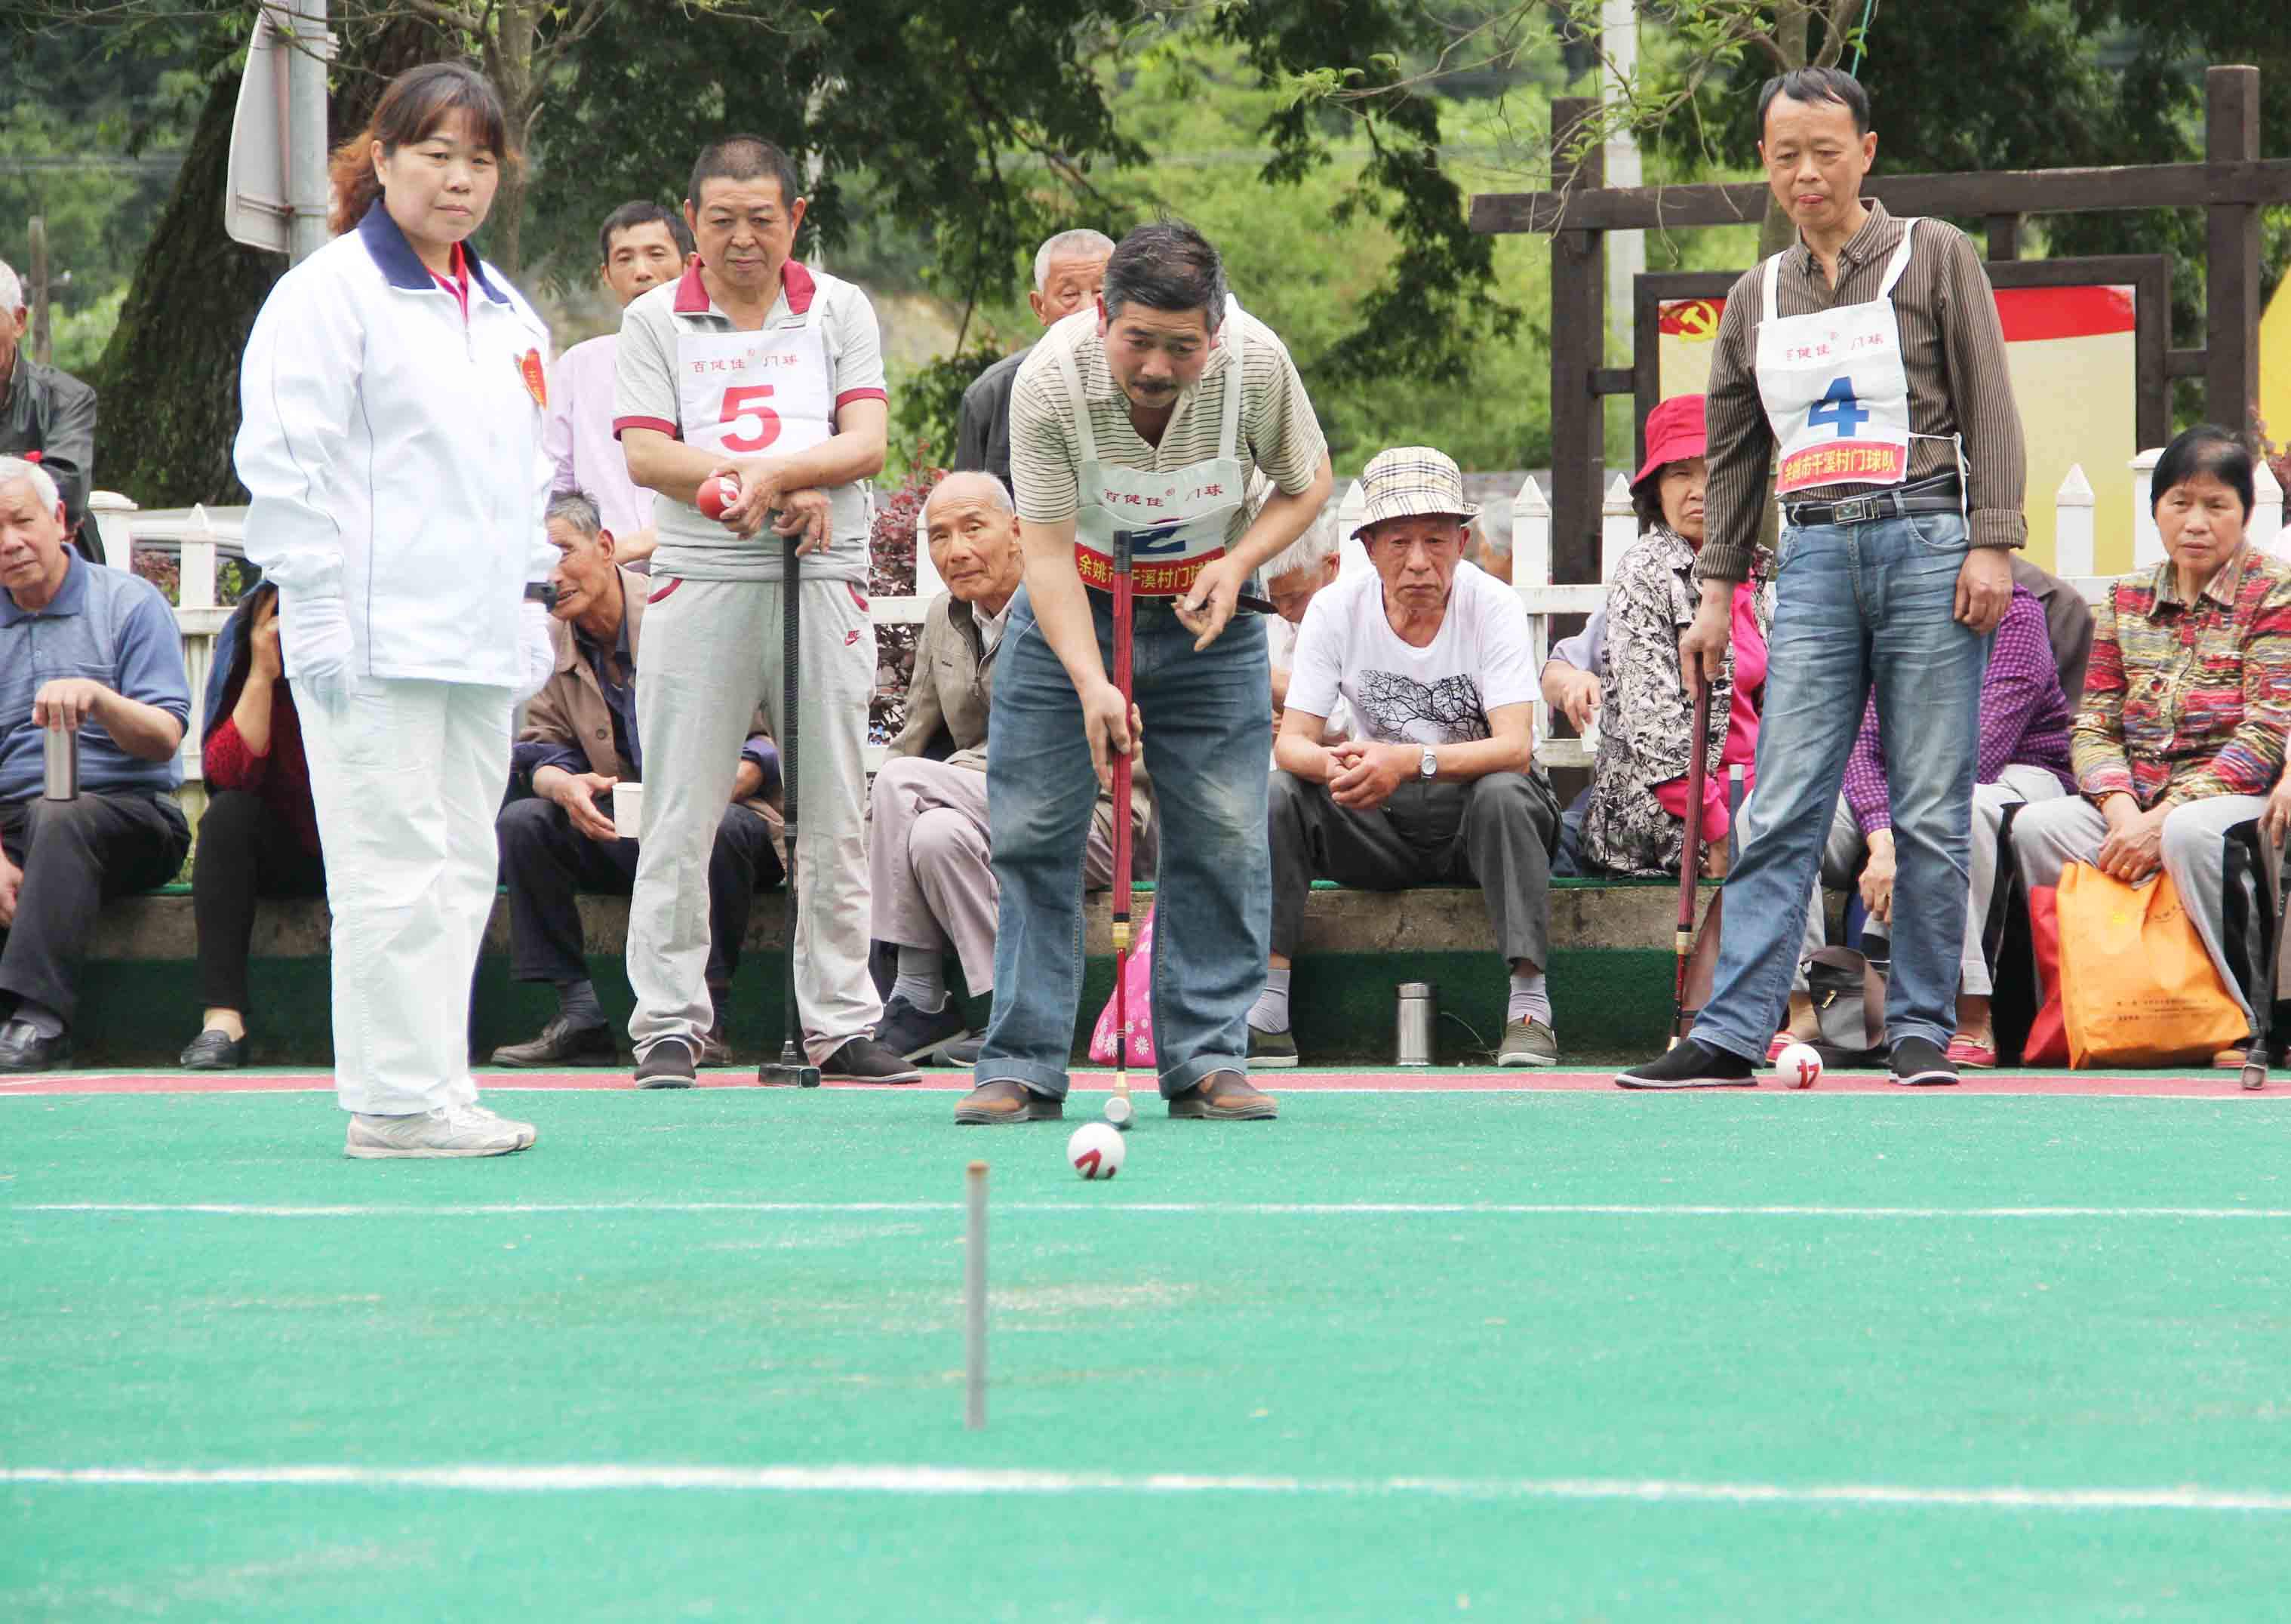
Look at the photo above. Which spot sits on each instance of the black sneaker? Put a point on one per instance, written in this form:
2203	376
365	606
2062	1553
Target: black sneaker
1271	1049
911	1033
666	1065
864	1060
1693	1065
1919	1062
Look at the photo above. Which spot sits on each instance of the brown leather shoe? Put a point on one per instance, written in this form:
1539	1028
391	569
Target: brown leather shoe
2229	1060
1224	1097
1006	1101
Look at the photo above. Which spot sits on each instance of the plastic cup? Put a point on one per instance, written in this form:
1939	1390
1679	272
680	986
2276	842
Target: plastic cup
628	811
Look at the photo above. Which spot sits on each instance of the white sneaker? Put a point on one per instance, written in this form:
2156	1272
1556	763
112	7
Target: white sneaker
525	1130
453	1130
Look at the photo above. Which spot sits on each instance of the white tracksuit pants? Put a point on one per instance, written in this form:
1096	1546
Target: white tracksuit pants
713	653
406	778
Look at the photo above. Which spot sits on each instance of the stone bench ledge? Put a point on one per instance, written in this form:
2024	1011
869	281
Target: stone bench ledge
159	926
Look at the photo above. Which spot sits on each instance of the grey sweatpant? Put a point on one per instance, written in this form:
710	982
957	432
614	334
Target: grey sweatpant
2047	838
1498	831
711	653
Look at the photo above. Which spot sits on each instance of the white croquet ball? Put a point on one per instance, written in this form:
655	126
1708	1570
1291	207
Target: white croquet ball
1798	1066
1095	1150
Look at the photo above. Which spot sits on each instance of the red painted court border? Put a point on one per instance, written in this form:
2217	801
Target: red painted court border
2202	1085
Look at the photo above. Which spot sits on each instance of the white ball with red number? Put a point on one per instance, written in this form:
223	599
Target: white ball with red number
718	495
1798	1066
1096	1149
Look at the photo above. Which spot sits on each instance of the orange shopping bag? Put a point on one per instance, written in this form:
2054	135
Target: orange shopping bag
2136	987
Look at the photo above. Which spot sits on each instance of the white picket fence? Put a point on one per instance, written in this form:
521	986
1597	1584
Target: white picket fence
199	535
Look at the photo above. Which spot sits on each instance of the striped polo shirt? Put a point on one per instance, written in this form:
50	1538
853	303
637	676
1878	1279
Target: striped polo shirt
1279	433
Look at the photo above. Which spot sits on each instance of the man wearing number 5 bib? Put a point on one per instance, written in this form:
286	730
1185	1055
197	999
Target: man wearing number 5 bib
754	363
1864	367
1134	428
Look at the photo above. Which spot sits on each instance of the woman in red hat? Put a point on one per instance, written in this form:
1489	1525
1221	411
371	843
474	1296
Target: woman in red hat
1636	820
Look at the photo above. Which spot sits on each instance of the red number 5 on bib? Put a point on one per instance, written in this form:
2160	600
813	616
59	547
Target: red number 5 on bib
742	406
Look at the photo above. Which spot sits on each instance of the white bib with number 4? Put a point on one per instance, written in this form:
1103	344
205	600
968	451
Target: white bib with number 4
1835	389
754	394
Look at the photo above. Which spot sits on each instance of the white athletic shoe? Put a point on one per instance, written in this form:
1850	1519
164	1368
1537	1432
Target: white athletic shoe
525	1130
452	1131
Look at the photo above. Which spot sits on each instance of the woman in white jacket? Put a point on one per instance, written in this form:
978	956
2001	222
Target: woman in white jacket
393	395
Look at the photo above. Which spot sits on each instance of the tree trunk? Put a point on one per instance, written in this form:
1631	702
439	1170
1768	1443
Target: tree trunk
511	51
1792	19
170	377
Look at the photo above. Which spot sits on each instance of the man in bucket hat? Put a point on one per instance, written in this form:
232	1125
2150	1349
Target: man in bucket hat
1438	781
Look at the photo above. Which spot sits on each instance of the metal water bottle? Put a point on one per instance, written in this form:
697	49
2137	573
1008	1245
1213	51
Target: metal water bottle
1415	1009
60	750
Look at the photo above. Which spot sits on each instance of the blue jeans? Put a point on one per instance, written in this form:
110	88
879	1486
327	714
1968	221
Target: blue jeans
1207	717
1858	604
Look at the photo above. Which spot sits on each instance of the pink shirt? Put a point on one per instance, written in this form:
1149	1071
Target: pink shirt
579	438
1742	746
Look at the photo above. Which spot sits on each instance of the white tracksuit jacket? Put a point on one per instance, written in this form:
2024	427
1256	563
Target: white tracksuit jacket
394	456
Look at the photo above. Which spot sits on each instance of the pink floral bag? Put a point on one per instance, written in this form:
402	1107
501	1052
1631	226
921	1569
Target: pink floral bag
1141	1006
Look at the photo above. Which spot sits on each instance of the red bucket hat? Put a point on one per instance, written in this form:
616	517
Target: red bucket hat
1674	433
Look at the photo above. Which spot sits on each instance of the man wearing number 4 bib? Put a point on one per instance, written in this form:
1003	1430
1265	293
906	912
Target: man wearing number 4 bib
754	363
1864	367
1134	427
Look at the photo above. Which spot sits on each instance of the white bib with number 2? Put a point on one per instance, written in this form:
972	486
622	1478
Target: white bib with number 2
1835	389
754	394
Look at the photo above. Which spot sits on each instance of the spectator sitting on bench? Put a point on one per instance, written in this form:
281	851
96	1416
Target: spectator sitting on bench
259	836
91	651
927	842
1636	820
579	740
2181	735
1438	781
1293	578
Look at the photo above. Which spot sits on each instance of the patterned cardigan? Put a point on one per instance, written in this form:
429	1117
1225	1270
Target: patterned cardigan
1646	716
2185	702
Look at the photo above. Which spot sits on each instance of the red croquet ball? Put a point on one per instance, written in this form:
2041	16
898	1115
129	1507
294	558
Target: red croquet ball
717	494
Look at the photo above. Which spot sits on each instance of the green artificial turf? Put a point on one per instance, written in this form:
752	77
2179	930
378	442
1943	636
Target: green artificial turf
1506	1350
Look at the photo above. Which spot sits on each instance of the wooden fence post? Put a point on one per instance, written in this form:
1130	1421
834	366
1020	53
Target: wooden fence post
1579	336
2232	253
2146	542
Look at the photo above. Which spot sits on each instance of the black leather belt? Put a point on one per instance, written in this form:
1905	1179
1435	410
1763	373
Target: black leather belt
1942	496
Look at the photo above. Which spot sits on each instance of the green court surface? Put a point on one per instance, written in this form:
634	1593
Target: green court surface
1513	1356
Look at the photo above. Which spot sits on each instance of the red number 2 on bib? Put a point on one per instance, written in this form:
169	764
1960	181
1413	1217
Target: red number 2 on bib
745	402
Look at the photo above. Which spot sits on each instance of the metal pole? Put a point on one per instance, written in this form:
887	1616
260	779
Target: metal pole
304	22
974	1299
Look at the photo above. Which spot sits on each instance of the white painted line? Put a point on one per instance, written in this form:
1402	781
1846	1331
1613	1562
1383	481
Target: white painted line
934	1480
1155	1209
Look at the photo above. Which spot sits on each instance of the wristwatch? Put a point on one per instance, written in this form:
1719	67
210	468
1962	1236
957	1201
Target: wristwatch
1429	768
542	592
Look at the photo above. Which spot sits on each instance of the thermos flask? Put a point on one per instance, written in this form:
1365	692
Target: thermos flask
1413	1013
61	762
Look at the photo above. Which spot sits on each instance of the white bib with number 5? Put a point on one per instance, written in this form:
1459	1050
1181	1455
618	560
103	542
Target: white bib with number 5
1834	387
754	394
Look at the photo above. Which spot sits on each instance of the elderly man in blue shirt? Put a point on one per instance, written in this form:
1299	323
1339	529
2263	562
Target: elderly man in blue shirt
94	652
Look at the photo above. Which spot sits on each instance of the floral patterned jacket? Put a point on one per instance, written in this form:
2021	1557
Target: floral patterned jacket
1646	716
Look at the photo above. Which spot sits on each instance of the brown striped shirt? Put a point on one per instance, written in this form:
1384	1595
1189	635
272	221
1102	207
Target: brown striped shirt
1952	350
